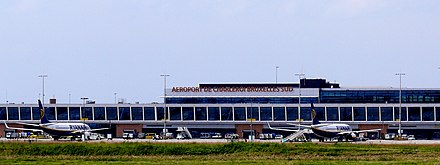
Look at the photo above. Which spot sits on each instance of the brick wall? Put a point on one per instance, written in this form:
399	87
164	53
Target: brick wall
3	127
374	126
121	127
240	127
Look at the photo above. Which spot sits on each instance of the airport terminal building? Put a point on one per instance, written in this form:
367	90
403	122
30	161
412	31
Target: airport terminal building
242	107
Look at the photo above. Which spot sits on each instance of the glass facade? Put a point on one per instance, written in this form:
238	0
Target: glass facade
427	113
74	113
386	113
35	113
62	113
240	113
13	113
112	113
3	114
124	113
25	113
213	113
378	96
227	114
403	114
292	113
266	113
149	113
50	113
359	113
241	100
99	113
306	113
136	113
320	113
373	113
279	113
252	113
346	113
160	113
86	112
188	113
175	113
332	114
414	114
201	113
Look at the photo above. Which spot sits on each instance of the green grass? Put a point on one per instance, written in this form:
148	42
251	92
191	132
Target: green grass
224	153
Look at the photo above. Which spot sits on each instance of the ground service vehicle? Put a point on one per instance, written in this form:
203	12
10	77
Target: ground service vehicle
96	136
150	135
129	134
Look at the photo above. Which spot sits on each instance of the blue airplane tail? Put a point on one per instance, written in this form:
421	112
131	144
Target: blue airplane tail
43	118
314	119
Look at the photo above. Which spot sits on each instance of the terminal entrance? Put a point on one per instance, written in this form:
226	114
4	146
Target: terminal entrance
247	133
244	130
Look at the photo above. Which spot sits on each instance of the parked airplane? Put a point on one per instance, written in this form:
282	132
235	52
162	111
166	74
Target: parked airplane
323	131
56	130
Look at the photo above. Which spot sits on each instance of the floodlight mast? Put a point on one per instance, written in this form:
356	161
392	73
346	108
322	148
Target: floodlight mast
300	75
276	74
400	102
43	77
164	103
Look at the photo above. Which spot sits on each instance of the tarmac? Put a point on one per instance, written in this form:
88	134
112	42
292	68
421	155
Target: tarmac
120	140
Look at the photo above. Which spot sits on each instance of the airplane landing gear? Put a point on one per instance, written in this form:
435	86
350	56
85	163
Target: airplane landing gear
55	137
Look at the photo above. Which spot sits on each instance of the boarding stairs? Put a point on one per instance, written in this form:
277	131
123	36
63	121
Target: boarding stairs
298	136
183	133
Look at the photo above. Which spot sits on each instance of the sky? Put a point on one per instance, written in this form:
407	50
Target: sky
97	48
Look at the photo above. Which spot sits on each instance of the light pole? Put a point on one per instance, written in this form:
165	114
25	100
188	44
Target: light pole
43	77
400	102
276	74
164	103
115	97
252	118
300	75
84	106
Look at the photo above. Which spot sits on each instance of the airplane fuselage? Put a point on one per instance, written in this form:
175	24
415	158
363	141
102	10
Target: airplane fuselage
330	130
65	129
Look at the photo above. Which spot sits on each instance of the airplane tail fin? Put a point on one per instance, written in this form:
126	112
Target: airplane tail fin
314	119
43	118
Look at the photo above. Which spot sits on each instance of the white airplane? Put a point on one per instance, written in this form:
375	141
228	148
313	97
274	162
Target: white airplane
323	131
56	130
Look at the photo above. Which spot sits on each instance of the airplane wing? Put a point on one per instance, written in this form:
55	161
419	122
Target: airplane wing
98	129
92	130
281	129
370	130
29	124
24	129
299	125
360	131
